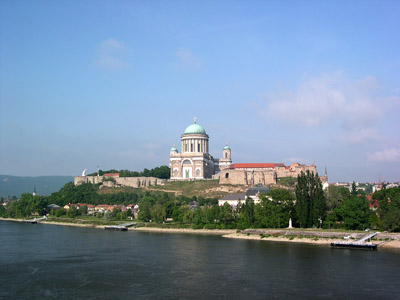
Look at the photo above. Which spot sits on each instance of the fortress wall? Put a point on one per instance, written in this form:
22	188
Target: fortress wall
264	176
134	182
85	179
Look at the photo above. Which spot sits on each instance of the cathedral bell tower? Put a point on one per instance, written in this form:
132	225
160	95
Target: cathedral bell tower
226	159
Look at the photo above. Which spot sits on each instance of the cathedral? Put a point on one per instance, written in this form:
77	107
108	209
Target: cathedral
194	161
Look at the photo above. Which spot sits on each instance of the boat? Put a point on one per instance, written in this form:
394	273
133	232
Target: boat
117	228
34	221
354	245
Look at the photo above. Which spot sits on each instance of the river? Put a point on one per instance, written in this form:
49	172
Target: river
39	261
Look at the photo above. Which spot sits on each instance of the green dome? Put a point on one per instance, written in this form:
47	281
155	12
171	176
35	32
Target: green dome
194	128
174	149
227	147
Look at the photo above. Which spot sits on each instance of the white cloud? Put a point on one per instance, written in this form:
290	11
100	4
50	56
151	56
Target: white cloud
186	59
387	155
108	61
357	135
110	55
111	45
331	99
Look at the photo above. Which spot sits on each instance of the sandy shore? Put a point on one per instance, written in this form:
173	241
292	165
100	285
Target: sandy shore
185	230
56	223
73	224
321	241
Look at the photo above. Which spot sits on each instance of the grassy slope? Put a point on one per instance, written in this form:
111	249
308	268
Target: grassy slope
204	188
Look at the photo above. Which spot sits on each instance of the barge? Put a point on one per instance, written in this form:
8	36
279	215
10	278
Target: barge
354	245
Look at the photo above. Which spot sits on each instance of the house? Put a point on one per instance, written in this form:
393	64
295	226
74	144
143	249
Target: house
232	199
53	206
69	206
101	208
253	193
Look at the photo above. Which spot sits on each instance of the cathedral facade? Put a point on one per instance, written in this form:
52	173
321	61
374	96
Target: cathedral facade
194	161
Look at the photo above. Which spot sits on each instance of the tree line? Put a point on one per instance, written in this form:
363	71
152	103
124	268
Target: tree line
162	172
308	206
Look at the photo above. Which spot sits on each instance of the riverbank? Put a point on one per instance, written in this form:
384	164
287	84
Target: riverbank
392	244
57	223
304	240
305	236
318	237
221	232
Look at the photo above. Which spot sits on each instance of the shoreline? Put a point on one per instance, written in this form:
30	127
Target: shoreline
221	232
393	244
232	234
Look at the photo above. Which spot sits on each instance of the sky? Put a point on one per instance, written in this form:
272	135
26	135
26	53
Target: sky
114	84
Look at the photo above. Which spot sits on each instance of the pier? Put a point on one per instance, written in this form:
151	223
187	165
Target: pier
120	227
35	220
359	244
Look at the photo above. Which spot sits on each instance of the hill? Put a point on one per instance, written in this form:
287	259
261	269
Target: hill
203	188
45	185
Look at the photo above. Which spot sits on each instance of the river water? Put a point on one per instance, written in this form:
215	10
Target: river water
61	262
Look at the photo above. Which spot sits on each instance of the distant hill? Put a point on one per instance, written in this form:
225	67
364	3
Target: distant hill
45	185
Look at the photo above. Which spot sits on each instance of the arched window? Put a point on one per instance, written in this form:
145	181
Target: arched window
226	175
226	155
186	162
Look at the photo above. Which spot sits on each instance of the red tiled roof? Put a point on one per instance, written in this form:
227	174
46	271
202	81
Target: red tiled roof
374	203
111	174
102	206
256	165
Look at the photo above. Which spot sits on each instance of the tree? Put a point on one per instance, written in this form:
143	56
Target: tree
246	214
335	196
355	212
353	189
158	213
72	212
389	208
83	210
225	214
275	209
145	205
177	214
310	200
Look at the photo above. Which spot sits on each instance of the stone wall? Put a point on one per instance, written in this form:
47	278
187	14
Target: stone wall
248	176
135	182
245	177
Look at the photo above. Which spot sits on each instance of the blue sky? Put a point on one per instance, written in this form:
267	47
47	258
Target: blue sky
115	83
